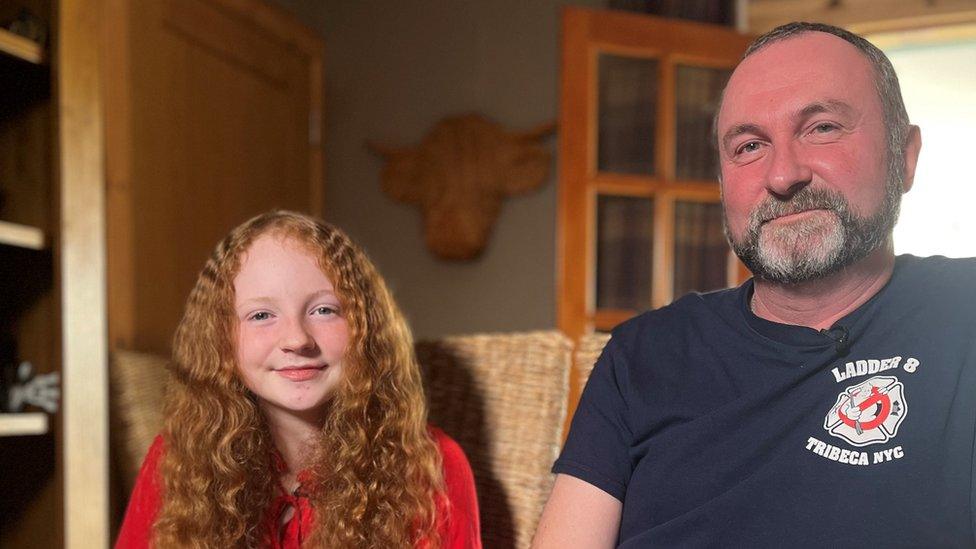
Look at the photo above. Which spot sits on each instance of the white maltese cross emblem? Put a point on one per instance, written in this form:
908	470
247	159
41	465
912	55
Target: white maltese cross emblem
868	413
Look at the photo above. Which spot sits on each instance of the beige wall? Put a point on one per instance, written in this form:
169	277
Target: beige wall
392	70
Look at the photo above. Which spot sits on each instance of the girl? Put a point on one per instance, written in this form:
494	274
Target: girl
296	415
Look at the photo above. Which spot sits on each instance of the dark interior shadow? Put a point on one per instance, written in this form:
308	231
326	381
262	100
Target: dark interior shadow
458	408
26	463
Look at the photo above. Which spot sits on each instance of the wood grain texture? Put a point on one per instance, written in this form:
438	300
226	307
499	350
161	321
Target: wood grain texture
82	275
217	117
575	163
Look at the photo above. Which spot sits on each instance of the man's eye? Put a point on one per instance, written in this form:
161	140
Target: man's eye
749	147
824	127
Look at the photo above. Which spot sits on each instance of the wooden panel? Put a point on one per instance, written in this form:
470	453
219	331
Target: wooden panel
635	185
862	16
231	38
665	126
607	319
119	206
656	34
82	275
574	202
235	133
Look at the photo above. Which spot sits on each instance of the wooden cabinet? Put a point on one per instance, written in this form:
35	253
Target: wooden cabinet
128	147
215	116
639	220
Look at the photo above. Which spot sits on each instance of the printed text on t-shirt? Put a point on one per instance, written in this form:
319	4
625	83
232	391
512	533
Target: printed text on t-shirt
872	366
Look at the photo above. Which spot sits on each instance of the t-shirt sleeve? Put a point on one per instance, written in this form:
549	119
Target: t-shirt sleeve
462	529
136	532
598	445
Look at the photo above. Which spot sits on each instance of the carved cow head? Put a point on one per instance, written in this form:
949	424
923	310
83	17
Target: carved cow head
458	176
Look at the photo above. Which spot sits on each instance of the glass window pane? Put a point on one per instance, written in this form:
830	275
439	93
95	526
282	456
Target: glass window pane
627	99
938	82
623	252
698	91
700	249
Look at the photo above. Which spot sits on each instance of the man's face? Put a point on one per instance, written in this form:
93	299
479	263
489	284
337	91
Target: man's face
802	149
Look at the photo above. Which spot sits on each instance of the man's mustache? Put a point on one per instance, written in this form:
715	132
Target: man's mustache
804	200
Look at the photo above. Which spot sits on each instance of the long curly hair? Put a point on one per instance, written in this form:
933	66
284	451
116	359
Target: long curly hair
376	478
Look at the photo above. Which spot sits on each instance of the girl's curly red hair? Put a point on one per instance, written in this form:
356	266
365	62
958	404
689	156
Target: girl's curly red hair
376	469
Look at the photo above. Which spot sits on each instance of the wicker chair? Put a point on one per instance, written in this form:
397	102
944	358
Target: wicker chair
503	398
138	382
587	352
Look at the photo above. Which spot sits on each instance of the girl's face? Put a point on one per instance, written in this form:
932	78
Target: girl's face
291	335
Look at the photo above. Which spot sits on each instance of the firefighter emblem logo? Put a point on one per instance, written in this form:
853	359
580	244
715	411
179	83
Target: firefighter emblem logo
868	413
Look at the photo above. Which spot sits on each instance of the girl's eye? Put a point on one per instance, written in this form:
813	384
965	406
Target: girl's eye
261	315
325	310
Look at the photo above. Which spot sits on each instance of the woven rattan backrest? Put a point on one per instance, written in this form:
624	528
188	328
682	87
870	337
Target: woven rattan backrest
138	384
587	351
503	398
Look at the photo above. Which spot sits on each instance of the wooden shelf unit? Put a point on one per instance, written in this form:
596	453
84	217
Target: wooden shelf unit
22	48
31	214
21	424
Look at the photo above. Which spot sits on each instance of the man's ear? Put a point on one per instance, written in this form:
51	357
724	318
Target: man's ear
912	147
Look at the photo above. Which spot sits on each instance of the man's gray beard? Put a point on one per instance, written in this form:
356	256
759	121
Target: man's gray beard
813	248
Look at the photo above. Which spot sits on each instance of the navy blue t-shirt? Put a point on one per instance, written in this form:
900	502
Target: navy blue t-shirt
717	428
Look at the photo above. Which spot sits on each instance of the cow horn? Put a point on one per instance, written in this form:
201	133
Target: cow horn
538	132
383	150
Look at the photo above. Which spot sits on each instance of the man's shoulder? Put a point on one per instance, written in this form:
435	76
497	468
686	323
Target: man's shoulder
691	311
938	273
937	262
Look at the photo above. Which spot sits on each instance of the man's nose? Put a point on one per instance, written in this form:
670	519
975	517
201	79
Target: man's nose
295	337
788	172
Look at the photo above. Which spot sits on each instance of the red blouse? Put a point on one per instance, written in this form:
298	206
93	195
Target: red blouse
459	529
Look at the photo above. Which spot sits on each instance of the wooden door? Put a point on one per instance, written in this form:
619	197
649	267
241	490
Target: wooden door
639	220
213	115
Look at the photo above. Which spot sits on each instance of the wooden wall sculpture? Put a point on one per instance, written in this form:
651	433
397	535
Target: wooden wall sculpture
458	176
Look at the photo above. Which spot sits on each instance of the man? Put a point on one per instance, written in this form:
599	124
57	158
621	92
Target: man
830	400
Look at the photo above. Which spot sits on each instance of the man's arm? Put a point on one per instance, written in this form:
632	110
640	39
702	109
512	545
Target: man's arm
578	514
